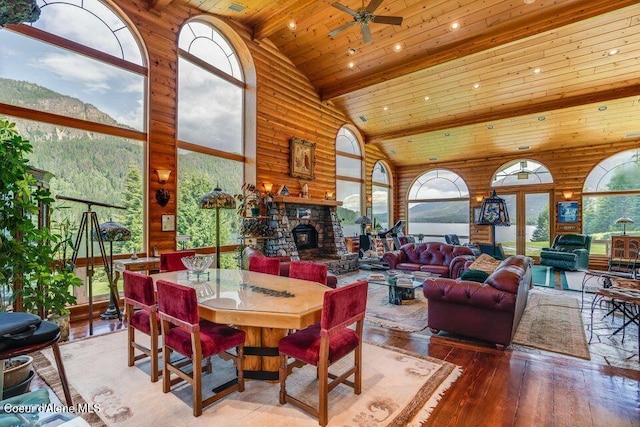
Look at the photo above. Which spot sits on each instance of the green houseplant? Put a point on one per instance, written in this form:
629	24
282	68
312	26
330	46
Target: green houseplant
28	267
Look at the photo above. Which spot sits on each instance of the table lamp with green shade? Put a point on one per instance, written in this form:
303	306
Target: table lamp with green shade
624	221
217	199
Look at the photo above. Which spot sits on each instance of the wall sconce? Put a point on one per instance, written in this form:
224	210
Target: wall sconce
567	194
267	187
479	199
162	195
328	195
369	199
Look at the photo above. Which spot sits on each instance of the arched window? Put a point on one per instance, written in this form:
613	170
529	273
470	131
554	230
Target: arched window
210	132
79	75
381	195
612	191
349	180
438	204
521	172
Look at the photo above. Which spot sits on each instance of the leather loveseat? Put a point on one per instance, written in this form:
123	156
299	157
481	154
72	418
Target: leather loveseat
568	252
433	257
488	311
248	252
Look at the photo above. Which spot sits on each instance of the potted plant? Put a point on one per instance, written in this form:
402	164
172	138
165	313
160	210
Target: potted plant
420	237
249	201
17	376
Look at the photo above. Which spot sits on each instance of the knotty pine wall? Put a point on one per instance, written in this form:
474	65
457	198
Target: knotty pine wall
287	106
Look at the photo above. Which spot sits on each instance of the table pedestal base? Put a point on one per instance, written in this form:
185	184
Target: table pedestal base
397	294
261	357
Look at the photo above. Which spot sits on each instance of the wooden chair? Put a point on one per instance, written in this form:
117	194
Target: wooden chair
185	333
308	271
325	343
172	261
141	313
265	265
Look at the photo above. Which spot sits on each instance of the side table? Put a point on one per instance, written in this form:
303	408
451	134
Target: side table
148	264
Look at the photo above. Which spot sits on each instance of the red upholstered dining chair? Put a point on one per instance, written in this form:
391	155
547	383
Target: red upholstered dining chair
141	313
308	271
265	265
327	342
195	338
172	261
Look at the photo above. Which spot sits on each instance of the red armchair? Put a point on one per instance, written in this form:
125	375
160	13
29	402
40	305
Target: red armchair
285	263
433	257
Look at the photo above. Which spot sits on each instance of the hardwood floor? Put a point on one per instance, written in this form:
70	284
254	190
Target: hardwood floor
506	388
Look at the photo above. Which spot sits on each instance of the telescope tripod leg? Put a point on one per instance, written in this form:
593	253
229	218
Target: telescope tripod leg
113	311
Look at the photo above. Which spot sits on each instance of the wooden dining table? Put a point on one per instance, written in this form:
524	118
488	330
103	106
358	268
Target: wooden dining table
265	306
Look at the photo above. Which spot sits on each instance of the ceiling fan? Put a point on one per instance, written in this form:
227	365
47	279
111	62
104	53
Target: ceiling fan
363	16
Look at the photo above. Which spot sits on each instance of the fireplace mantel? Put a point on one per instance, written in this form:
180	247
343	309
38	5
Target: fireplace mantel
305	201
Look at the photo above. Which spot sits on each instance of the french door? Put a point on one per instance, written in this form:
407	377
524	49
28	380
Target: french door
529	217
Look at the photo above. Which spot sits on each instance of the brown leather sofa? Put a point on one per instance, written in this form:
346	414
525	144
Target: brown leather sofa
488	311
248	252
433	257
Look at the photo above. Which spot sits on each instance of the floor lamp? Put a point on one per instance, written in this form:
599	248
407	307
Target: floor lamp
217	199
113	232
494	213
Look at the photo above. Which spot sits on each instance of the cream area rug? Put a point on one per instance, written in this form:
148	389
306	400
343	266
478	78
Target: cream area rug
553	322
398	389
411	316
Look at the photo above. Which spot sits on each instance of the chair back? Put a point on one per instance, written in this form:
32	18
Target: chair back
172	261
452	239
344	306
138	290
178	304
308	271
265	265
571	242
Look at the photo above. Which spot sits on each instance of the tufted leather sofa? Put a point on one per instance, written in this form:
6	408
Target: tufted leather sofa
433	257
488	311
248	252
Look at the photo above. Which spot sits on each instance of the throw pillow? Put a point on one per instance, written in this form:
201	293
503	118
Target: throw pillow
475	276
485	263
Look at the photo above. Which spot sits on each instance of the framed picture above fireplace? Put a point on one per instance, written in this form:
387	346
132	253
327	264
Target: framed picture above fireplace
303	213
303	158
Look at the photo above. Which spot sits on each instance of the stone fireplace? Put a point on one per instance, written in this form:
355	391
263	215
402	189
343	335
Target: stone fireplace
309	229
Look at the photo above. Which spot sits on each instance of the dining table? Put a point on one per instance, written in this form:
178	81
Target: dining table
265	306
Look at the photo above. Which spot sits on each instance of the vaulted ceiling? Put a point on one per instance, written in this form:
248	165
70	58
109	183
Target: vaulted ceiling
517	76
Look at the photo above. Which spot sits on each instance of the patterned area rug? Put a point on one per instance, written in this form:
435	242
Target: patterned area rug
553	323
411	316
398	389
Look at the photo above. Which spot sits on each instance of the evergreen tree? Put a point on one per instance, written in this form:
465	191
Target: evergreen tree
132	216
541	233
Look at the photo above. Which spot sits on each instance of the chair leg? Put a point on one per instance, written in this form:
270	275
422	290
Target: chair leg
130	339
323	393
62	373
166	380
197	385
357	383
240	367
154	357
283	378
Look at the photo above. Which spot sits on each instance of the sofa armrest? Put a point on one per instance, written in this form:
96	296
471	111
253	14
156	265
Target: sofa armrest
394	258
459	264
583	258
468	293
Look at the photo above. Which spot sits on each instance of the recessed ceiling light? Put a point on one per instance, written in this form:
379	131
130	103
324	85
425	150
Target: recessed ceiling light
394	152
613	52
602	108
351	51
292	25
409	140
490	127
447	134
351	64
529	1
476	86
455	26
537	70
385	108
541	118
397	47
427	98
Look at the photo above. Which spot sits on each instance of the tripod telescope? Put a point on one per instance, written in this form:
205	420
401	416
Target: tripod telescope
89	223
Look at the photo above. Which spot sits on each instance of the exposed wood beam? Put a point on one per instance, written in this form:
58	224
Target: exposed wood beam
275	23
554	104
158	5
515	30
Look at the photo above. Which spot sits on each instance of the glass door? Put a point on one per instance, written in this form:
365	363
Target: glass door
529	217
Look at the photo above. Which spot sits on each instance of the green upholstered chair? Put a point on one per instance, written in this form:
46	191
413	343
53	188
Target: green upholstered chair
568	252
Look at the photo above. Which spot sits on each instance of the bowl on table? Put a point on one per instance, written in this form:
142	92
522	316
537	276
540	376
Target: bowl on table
198	264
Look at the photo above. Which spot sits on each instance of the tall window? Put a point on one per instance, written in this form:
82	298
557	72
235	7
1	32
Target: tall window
349	180
438	204
611	191
210	132
79	68
381	195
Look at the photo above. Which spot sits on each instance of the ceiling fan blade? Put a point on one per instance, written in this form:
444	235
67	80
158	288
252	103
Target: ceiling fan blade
344	9
339	29
393	20
366	33
373	5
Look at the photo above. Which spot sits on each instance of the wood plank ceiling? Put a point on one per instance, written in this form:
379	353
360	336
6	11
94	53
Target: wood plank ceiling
544	69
